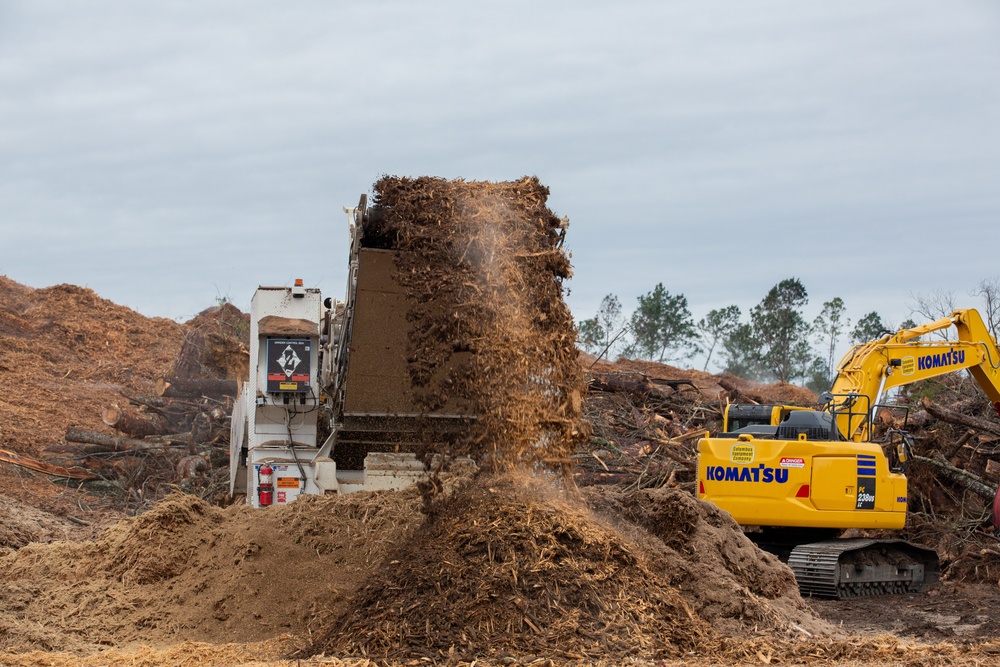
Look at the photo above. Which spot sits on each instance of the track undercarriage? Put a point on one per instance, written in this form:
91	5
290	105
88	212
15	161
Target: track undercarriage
852	567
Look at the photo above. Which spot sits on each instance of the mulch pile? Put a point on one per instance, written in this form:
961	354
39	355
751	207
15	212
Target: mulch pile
509	567
64	351
483	266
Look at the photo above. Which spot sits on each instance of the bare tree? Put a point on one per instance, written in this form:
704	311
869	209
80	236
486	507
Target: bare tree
599	334
828	327
989	292
934	306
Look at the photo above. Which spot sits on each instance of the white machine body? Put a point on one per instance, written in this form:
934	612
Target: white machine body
275	456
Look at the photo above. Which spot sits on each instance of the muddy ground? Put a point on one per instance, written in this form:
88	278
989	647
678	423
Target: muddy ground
959	613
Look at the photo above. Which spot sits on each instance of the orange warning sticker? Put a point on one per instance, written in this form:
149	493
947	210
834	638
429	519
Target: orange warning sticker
288	482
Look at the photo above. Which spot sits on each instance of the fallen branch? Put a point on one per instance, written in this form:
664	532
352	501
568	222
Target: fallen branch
953	417
957	447
961	477
47	468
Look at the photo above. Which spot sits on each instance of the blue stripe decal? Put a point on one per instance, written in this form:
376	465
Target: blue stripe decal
866	456
866	472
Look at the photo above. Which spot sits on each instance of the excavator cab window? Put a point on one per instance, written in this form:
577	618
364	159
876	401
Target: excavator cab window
751	418
851	411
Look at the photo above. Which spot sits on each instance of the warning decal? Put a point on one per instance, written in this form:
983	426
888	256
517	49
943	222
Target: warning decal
288	364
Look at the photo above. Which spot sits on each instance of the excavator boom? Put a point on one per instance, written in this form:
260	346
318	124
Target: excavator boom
869	370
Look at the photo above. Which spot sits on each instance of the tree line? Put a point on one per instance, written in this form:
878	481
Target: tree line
774	341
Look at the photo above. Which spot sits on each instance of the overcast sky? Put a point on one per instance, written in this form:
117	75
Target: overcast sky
166	154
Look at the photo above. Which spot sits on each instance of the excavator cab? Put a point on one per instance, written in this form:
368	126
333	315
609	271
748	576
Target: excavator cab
755	418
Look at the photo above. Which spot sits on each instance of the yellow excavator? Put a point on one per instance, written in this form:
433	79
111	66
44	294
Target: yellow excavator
801	476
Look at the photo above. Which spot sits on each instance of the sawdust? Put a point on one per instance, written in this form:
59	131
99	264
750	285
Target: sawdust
22	524
188	571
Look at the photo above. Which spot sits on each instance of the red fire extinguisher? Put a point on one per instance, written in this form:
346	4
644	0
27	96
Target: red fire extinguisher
265	487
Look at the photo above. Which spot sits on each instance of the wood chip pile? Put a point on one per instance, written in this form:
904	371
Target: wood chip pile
86	397
509	568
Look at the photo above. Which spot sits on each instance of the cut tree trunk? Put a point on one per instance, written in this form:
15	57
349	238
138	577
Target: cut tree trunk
113	443
953	417
962	477
195	387
642	388
133	424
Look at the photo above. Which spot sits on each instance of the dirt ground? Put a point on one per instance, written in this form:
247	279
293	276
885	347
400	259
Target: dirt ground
959	613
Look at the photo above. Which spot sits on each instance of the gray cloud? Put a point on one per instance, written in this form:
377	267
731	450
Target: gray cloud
157	152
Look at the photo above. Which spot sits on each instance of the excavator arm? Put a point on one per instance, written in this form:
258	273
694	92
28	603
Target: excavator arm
868	370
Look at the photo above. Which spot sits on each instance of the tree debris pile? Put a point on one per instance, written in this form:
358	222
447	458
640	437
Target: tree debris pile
483	265
509	568
647	418
86	396
215	345
953	478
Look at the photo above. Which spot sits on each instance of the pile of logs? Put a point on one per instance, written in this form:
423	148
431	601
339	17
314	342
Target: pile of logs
187	415
645	430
